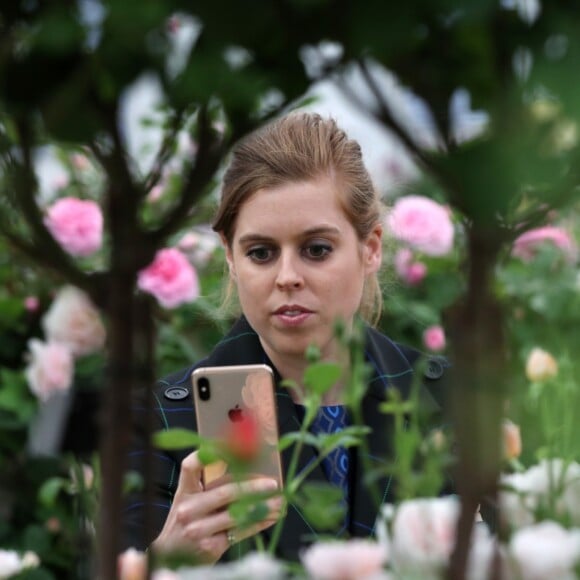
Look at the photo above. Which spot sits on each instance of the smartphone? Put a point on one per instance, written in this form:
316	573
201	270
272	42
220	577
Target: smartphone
224	396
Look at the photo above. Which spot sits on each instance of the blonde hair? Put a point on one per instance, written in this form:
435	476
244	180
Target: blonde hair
303	147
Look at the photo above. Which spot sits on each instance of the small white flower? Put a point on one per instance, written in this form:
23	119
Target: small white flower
545	550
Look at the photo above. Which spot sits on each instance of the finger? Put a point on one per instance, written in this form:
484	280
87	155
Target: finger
218	498
214	546
223	480
221	521
190	475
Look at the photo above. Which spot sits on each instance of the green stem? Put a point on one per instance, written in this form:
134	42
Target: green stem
290	474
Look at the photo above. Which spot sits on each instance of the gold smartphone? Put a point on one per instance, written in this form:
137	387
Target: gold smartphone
227	395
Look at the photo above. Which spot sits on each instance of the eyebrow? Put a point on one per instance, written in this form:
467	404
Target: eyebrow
318	230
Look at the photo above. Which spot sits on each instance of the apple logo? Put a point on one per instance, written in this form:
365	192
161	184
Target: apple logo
236	414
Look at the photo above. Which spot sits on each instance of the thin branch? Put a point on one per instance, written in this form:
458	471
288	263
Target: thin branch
164	152
209	155
90	283
386	118
44	249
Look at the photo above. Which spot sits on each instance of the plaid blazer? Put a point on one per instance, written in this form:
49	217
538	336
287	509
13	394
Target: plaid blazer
393	367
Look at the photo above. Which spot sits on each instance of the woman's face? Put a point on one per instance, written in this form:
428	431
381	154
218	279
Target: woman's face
299	266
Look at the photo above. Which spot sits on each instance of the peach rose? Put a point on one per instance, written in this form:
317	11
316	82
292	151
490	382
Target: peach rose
132	565
540	365
512	440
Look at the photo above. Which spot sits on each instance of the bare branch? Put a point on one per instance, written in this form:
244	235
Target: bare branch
44	250
164	152
386	118
210	153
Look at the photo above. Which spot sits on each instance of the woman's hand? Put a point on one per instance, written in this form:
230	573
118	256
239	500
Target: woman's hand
199	518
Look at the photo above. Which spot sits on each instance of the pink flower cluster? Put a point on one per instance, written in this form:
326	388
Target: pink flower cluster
73	328
76	224
411	271
170	278
526	246
423	224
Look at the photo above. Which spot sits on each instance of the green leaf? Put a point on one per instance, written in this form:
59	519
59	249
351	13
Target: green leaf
321	504
248	511
208	454
50	490
176	439
296	436
320	377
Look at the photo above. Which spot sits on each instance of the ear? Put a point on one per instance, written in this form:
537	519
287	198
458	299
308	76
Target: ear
373	250
229	257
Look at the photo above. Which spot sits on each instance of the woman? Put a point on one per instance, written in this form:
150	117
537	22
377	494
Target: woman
301	224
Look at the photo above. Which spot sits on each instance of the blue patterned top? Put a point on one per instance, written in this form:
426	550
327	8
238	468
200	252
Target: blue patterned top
332	419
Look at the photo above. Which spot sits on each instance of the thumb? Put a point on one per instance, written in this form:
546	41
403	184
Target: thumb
190	475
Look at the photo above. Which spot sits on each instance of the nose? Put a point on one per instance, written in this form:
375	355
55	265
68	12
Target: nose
289	276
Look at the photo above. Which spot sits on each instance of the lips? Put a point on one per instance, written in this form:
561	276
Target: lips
292	310
292	315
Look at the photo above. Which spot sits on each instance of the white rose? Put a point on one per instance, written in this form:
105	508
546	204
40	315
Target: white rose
10	563
350	560
481	553
30	560
423	535
532	488
73	320
545	550
50	369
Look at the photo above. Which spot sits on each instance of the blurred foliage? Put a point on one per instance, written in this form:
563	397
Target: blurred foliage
65	68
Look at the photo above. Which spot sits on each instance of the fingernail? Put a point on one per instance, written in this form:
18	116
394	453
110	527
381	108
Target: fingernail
269	484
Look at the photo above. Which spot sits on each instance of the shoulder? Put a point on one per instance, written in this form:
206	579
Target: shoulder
401	357
399	364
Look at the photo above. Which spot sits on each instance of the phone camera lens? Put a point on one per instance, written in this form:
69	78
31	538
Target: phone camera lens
203	388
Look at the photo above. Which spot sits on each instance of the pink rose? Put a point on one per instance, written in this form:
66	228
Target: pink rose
344	560
31	303
526	246
76	224
423	224
72	319
434	338
170	278
411	272
50	369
